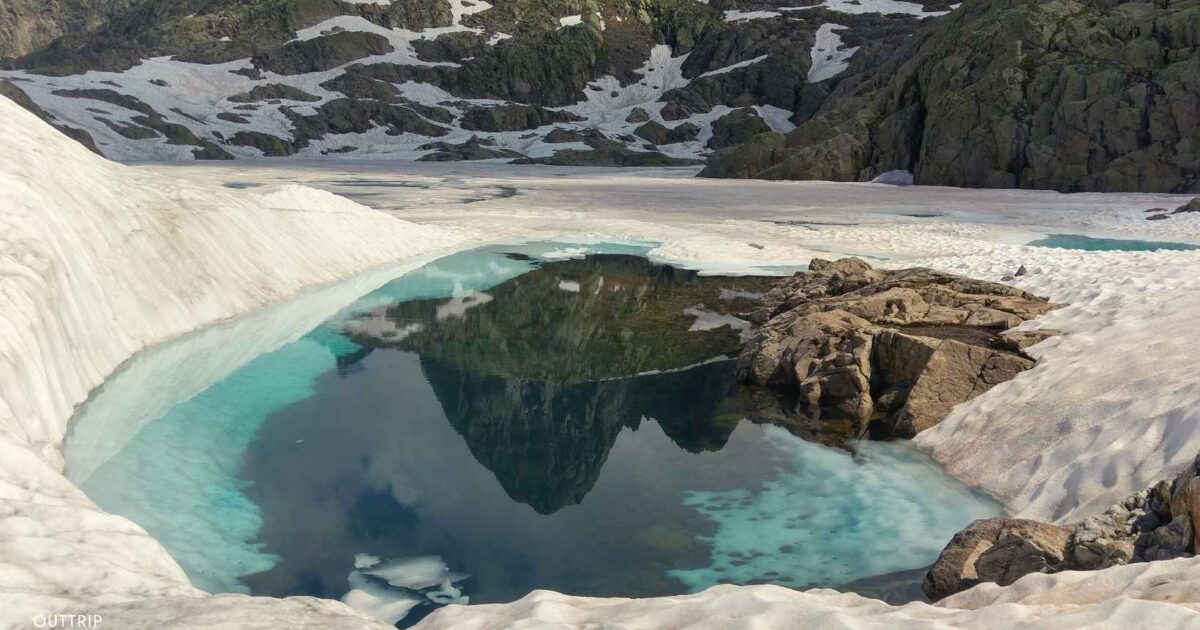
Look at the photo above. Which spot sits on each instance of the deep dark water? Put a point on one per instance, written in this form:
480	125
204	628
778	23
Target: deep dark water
499	422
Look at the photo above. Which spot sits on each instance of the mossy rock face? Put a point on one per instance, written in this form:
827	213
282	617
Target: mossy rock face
559	136
736	127
473	149
351	116
1077	95
213	31
451	46
274	91
608	157
551	69
271	146
131	131
657	133
109	96
637	115
512	118
322	53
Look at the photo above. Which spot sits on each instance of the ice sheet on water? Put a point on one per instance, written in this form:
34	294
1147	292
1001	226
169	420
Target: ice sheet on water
834	517
390	590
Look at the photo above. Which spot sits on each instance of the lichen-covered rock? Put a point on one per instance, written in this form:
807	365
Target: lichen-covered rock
895	350
637	115
1154	524
657	133
1073	96
559	136
473	149
736	127
322	53
273	91
513	118
1191	206
995	550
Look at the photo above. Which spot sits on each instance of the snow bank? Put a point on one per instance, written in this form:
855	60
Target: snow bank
100	261
1112	406
1160	594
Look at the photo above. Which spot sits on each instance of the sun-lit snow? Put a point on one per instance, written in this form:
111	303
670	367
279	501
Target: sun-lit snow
829	58
102	260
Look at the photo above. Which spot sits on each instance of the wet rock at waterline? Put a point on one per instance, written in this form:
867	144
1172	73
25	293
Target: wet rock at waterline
1154	524
894	350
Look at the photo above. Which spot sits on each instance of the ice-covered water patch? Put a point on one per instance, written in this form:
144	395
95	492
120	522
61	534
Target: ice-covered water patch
832	517
1092	244
498	421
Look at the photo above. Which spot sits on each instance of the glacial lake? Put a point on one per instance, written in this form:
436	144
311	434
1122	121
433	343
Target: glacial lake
546	416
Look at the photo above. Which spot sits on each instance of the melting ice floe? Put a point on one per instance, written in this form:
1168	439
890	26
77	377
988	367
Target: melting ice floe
834	517
390	590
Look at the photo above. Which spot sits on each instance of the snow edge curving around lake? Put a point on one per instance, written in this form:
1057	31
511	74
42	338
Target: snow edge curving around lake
101	261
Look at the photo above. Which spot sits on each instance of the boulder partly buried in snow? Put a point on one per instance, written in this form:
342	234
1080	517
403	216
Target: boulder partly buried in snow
895	350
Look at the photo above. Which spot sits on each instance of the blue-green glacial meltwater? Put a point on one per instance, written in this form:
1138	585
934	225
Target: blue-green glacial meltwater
501	420
1093	244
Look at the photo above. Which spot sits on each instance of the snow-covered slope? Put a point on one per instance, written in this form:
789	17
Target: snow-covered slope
171	108
100	261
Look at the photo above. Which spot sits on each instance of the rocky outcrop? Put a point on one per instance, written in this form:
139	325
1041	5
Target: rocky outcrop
999	550
513	118
1154	524
322	53
657	133
605	151
26	25
473	149
273	91
893	350
736	127
1071	96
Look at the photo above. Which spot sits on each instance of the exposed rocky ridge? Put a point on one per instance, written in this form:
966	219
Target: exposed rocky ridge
596	68
892	350
1069	95
1154	524
26	25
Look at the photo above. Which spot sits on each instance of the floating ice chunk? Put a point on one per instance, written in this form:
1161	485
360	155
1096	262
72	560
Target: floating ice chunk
382	603
568	253
895	178
447	594
416	573
365	561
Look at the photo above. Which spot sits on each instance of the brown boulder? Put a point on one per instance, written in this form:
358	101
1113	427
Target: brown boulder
997	550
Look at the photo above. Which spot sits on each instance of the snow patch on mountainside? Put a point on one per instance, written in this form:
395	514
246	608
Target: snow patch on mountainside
102	261
829	59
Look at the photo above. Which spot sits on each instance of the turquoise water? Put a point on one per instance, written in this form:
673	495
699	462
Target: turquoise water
508	419
1091	244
